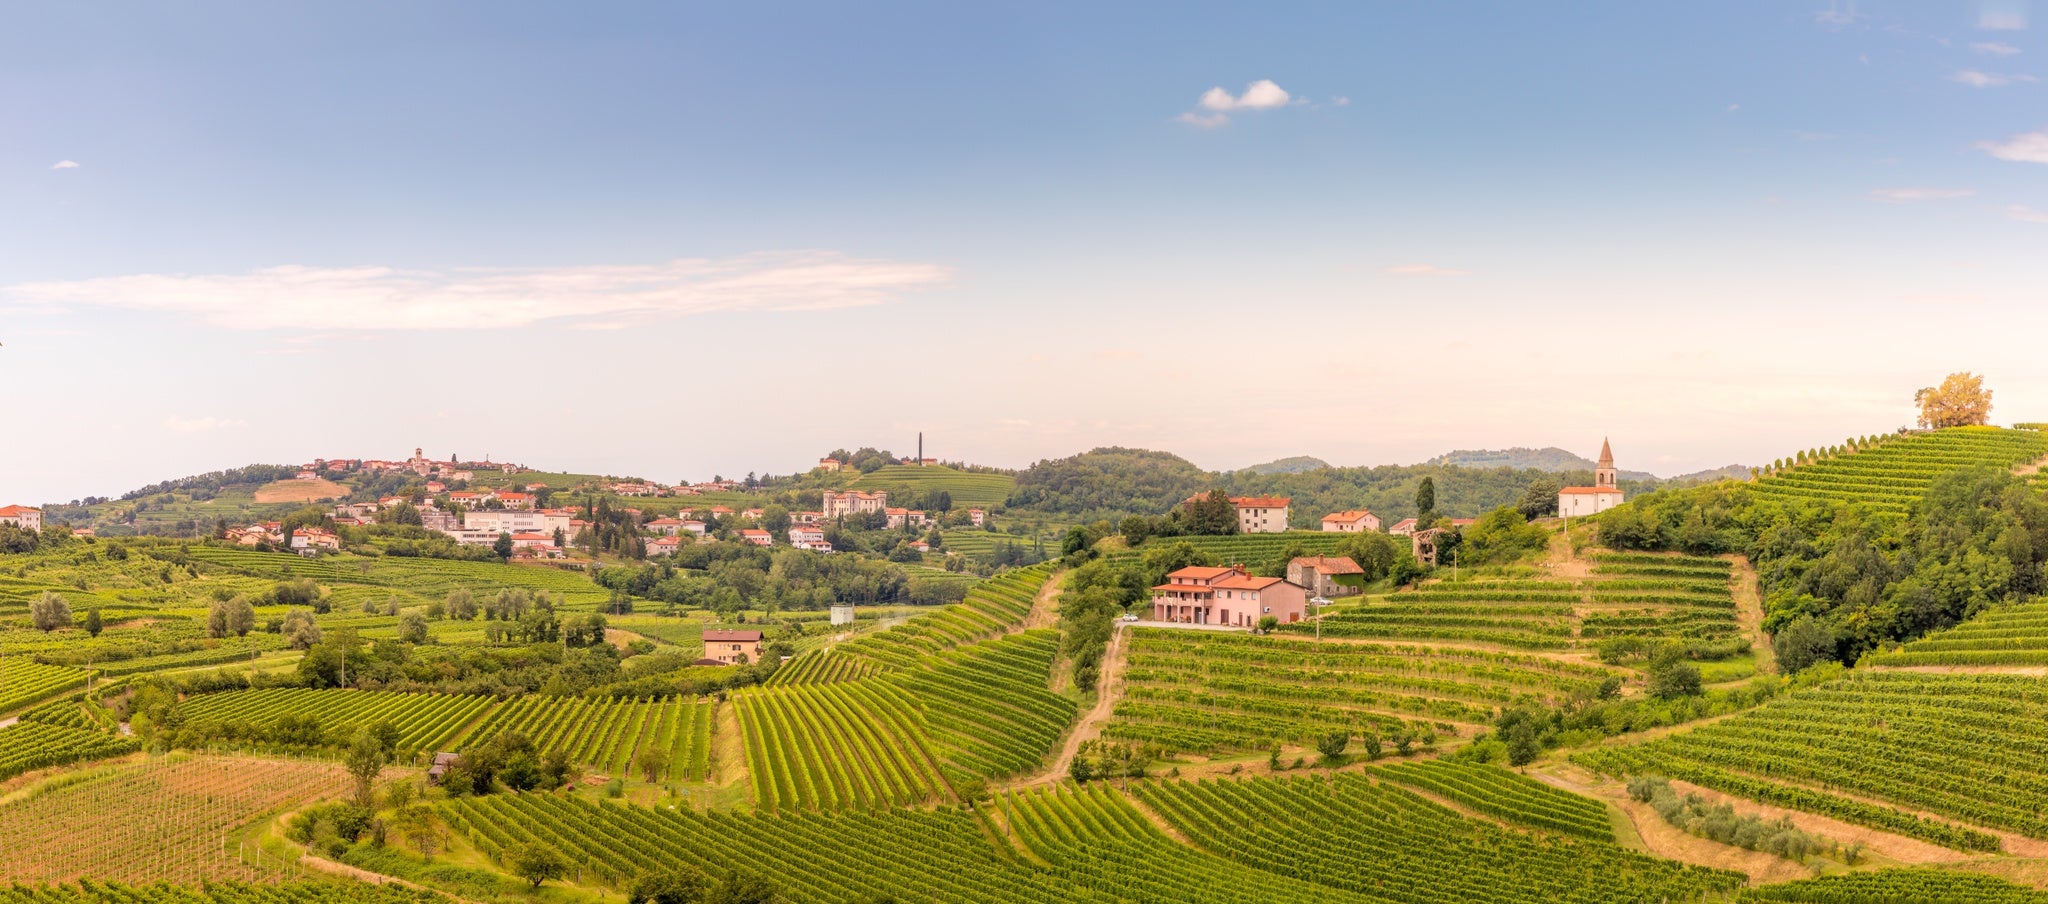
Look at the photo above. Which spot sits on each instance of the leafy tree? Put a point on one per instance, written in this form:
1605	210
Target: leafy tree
1540	499
1213	514
366	758
683	885
502	547
1268	623
1371	743
1804	643
1425	498
461	604
745	889
417	823
93	624
1332	745
537	863
652	762
1674	678
49	612
300	630
234	616
1961	400
412	628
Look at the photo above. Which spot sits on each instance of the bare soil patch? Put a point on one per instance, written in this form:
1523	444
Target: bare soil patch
300	491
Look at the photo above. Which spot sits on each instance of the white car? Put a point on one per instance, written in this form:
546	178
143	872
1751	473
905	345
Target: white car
1129	616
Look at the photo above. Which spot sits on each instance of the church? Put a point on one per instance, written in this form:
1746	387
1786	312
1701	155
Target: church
1604	494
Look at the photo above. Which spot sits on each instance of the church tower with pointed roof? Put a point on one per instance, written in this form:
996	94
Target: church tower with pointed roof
1604	494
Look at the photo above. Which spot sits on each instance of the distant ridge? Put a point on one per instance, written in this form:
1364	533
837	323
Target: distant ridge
1554	459
1298	464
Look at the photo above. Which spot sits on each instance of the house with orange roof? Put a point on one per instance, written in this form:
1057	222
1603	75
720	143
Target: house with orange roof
667	527
730	647
977	517
311	541
1357	521
853	502
1255	514
516	500
1319	575
1231	596
23	517
758	537
664	546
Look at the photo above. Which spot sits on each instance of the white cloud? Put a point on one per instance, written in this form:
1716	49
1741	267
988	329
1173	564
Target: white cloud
202	424
2027	147
1994	48
1902	195
2025	214
1734	107
1976	79
1260	95
1422	270
383	298
2002	15
1837	15
65	164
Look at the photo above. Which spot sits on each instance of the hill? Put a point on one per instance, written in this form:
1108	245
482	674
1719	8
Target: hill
1548	458
913	483
317	490
1293	465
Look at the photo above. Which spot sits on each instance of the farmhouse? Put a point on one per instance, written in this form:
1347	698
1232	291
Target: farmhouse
899	517
667	527
516	500
695	528
977	517
802	535
853	502
1352	522
1226	596
1604	494
1255	514
732	647
310	541
22	516
1318	575
664	546
758	537
830	464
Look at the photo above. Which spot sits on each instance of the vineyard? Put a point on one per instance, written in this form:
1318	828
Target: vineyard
425	722
939	856
24	681
1964	747
1504	795
1247	548
1337	838
993	607
160	820
1210	691
90	892
2015	634
1626	595
28	746
1892	473
1904	886
980	711
905	484
609	734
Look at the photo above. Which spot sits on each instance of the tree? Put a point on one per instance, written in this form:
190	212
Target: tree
1425	499
537	863
365	759
1961	400
1332	745
1268	623
1540	499
1213	514
1674	678
683	885
745	889
502	547
50	612
652	762
93	625
461	604
300	630
412	628
1804	643
417	824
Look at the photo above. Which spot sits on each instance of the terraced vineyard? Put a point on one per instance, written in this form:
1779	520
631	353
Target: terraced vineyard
2014	634
1504	795
1894	473
24	681
980	711
163	819
425	722
1247	548
994	606
1967	748
412	580
1897	886
1210	691
1337	838
609	733
937	856
28	746
1627	595
968	489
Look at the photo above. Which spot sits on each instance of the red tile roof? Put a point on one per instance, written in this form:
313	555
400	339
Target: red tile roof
1260	501
1200	573
732	636
1346	517
1588	491
1329	564
1246	582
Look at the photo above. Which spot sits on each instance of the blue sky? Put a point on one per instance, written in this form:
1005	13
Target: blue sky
676	240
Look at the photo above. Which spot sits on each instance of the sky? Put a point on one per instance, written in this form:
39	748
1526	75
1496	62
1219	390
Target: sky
678	240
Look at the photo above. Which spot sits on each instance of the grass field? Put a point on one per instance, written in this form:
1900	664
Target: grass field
968	489
300	491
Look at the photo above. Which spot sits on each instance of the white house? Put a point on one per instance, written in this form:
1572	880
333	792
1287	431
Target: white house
22	516
853	502
310	541
1604	494
802	535
758	537
1360	521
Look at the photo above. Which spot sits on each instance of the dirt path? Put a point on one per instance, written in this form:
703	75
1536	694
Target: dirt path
2030	468
324	865
1749	613
1560	562
1045	607
2031	671
1108	689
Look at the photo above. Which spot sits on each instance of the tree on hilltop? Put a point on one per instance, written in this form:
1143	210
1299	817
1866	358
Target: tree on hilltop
1960	401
